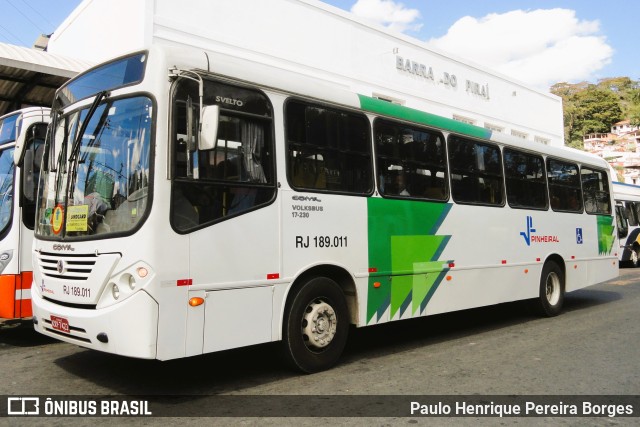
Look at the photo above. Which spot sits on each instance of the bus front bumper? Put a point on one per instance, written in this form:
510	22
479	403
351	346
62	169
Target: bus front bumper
128	328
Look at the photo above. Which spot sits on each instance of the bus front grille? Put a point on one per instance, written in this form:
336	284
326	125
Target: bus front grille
70	267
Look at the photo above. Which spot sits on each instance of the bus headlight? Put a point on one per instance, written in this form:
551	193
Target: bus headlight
125	283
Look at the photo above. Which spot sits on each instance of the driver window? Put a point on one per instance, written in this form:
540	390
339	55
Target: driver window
237	175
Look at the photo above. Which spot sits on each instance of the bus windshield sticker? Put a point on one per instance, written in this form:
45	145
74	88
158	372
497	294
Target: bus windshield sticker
77	218
57	219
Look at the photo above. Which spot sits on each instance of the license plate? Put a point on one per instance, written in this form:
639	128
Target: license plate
60	324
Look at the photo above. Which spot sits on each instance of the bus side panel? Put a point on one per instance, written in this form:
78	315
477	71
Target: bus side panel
406	266
320	229
576	275
435	257
237	318
7	296
236	263
600	271
15	295
23	294
482	286
241	252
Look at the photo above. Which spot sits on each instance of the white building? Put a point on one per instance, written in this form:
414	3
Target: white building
313	38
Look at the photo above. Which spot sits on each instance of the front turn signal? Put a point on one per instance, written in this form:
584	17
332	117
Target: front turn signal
196	301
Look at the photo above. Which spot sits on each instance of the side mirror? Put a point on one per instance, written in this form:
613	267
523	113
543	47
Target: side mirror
208	137
18	152
18	155
28	186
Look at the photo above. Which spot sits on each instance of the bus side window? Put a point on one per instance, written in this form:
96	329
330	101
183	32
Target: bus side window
411	161
621	222
631	209
526	182
327	149
597	198
479	166
234	177
564	186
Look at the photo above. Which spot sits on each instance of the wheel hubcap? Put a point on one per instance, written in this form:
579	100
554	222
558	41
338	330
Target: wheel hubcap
553	289
319	324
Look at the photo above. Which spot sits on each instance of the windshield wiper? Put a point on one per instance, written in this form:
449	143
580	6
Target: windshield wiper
75	148
77	142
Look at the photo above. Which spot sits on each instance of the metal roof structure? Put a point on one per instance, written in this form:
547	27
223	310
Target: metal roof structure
30	77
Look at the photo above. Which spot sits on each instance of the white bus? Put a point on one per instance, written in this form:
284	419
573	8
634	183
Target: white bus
193	201
289	217
22	128
627	197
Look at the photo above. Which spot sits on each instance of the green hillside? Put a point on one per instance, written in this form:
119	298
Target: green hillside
593	108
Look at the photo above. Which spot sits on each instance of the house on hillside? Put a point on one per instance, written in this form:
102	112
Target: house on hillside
621	147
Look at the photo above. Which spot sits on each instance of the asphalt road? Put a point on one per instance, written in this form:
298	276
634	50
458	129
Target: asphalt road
592	348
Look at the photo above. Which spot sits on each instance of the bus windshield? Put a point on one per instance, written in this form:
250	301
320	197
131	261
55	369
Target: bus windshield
6	188
121	72
100	183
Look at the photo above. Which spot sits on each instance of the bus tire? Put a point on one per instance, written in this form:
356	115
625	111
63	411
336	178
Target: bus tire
316	325
551	295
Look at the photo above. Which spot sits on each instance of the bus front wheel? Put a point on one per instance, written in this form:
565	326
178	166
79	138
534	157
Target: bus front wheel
316	325
551	295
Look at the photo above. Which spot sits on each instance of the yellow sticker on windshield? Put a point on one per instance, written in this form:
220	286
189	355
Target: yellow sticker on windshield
77	218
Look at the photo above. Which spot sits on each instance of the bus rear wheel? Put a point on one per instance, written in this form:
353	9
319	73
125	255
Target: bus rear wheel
316	326
551	294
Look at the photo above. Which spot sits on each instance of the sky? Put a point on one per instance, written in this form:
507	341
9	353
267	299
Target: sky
539	42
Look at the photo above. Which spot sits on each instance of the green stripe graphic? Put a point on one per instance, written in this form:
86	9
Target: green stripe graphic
606	236
405	251
378	106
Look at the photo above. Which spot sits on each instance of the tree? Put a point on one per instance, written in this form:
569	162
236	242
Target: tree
591	108
634	108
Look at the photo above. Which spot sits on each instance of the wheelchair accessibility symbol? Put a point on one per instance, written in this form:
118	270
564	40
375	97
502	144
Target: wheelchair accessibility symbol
579	236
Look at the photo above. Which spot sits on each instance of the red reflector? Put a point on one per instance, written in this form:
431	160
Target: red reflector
452	264
185	282
373	270
504	261
538	259
273	276
573	257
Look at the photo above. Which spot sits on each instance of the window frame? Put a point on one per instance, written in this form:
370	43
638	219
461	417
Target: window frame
381	120
539	156
456	171
605	181
336	109
222	185
551	186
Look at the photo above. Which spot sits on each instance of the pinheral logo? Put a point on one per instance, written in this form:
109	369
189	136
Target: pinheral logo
529	236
